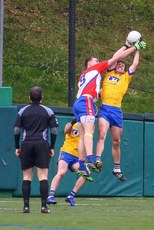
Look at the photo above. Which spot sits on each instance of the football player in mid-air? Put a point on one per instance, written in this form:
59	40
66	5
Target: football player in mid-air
84	108
114	87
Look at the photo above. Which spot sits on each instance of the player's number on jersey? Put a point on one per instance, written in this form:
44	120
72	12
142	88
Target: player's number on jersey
82	80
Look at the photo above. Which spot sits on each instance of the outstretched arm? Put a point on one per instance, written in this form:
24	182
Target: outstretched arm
135	63
119	55
118	52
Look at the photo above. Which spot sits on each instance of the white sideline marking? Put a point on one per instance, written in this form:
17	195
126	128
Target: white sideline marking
78	199
10	209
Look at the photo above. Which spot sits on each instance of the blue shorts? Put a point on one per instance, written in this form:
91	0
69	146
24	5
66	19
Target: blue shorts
84	106
69	159
111	114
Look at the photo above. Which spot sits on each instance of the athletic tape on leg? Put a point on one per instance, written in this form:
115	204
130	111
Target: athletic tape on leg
88	134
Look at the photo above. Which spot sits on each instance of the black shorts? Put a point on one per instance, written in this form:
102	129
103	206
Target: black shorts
35	153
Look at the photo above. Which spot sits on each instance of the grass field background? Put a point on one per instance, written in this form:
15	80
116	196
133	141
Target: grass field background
36	46
120	213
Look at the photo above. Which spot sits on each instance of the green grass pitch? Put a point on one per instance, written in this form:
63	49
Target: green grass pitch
109	213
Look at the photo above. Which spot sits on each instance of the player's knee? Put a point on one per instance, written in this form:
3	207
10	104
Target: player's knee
102	136
61	174
116	143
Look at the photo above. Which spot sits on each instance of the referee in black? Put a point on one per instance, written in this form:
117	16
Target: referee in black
35	120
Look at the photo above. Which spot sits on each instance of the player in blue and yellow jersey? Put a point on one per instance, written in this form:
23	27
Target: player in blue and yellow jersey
114	87
84	107
68	159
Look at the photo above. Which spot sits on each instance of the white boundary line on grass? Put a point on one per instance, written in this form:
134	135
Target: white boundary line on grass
41	227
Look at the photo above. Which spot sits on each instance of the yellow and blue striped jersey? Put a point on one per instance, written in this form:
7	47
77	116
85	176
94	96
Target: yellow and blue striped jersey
114	87
71	142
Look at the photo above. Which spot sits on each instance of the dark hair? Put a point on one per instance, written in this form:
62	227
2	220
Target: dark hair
123	63
36	93
87	60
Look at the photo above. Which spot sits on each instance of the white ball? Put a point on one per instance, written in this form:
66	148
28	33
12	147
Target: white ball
133	37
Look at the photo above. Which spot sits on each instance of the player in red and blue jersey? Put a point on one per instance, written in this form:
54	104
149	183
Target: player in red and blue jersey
84	108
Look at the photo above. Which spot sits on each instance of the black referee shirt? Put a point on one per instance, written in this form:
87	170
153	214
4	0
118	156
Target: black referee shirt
34	119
